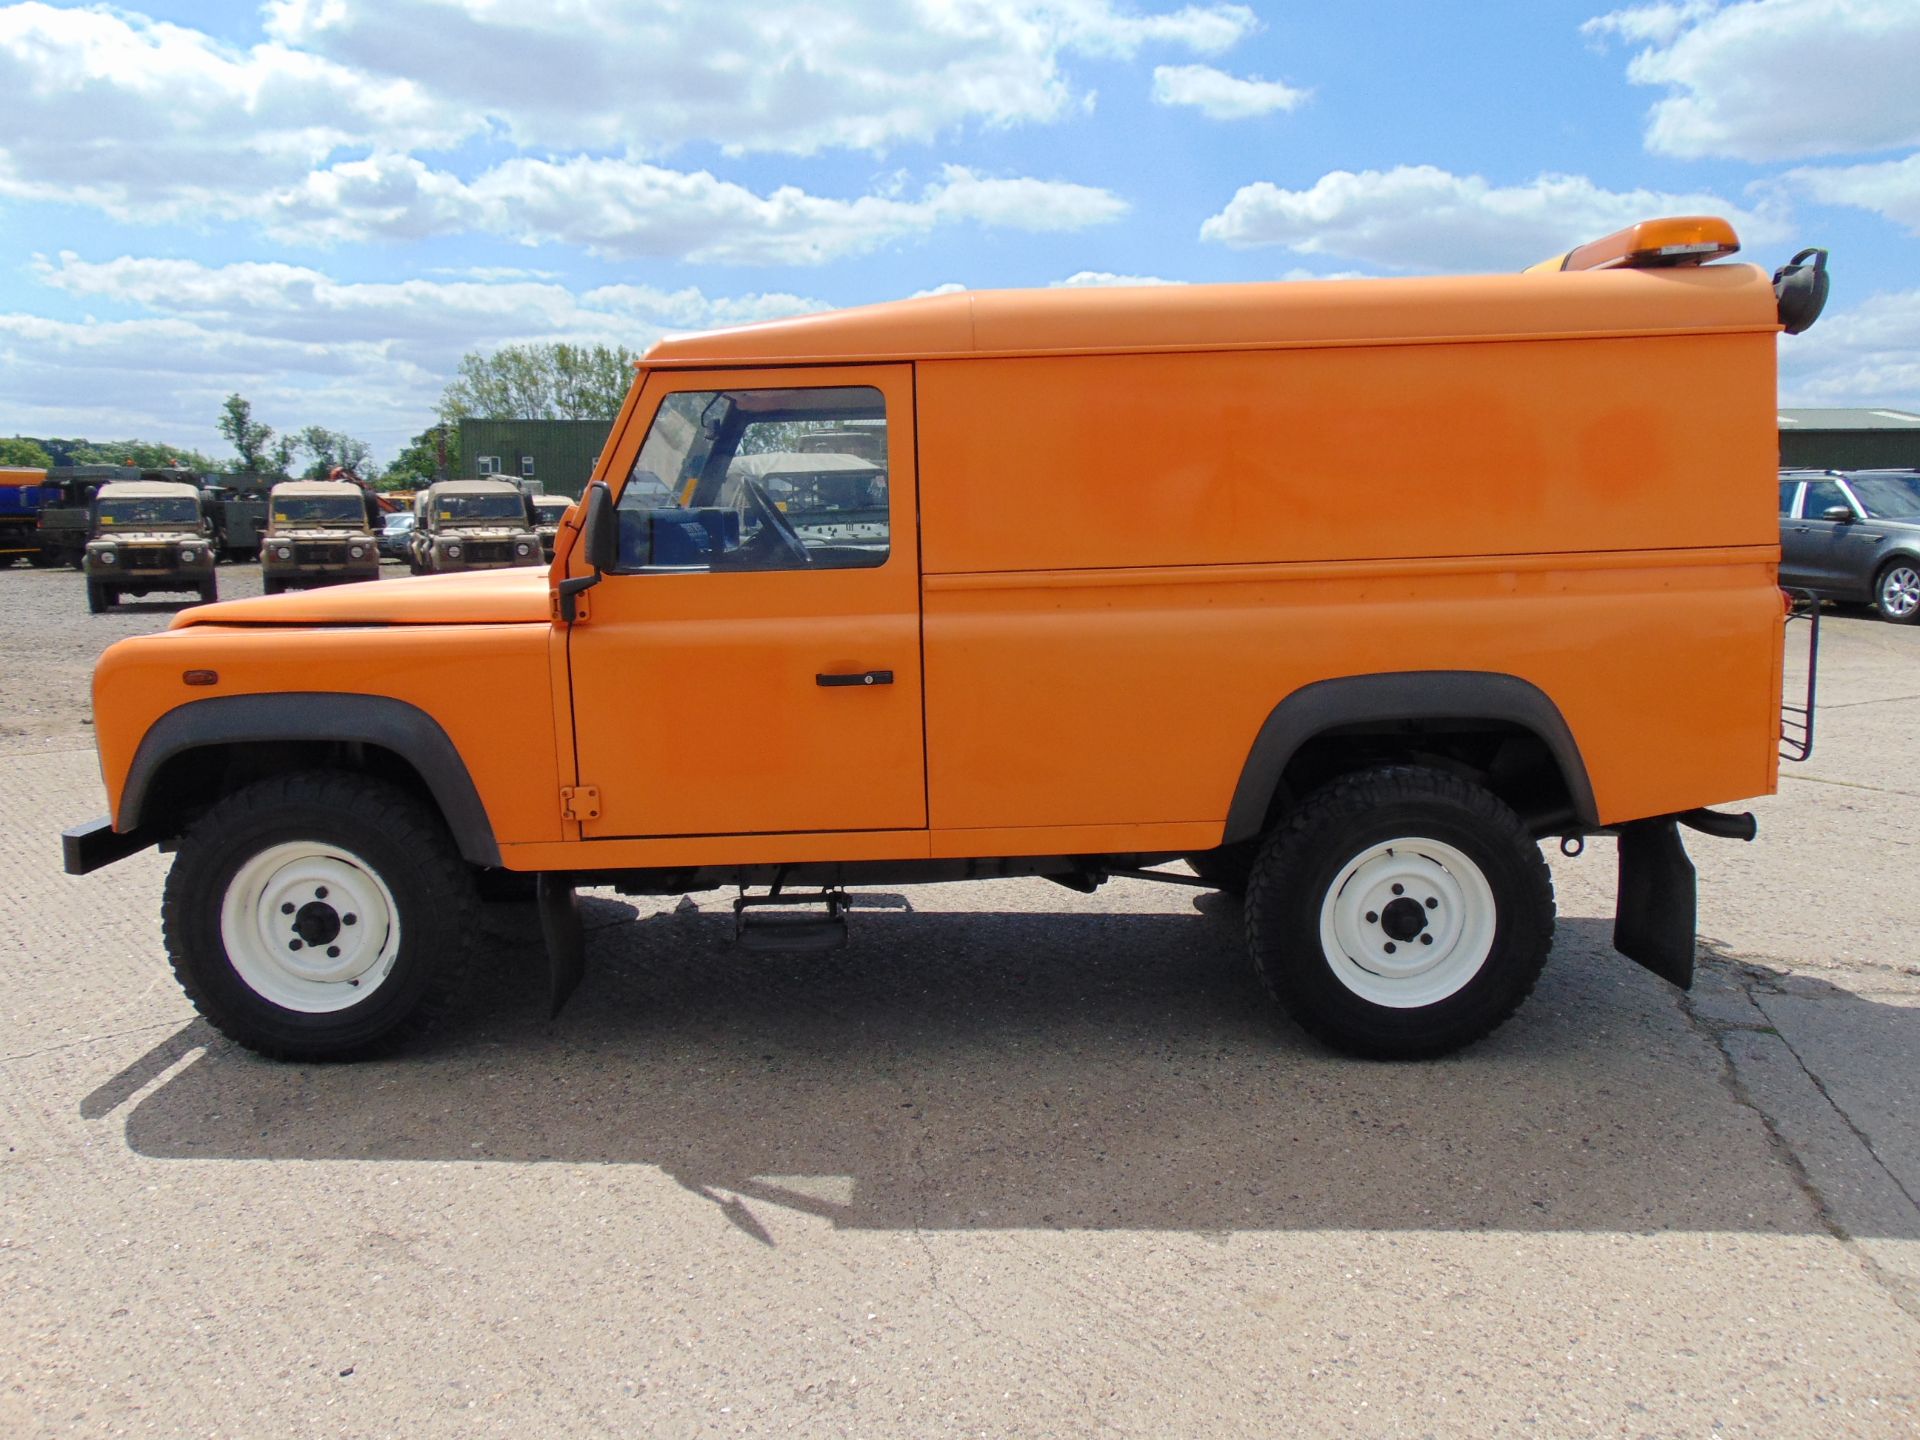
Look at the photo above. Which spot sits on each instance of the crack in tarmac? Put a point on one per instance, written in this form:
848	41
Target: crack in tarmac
1714	1032
1866	1142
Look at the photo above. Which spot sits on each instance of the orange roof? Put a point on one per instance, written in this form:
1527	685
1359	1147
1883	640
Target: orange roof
1254	316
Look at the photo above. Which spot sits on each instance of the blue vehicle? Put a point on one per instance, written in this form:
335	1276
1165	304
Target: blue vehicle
22	492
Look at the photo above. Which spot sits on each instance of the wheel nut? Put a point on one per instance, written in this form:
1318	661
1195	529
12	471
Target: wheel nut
1373	917
1432	904
1399	889
294	944
320	892
287	909
333	952
1426	939
349	919
1388	947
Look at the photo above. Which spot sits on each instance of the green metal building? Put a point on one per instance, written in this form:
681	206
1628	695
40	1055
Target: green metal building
560	454
1849	439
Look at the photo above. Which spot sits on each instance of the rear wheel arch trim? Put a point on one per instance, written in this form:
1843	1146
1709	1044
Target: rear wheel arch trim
1326	705
405	730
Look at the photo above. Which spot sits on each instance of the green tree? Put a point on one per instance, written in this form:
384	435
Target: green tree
147	454
539	382
22	451
329	448
419	463
250	439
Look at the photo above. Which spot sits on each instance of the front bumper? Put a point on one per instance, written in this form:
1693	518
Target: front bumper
91	846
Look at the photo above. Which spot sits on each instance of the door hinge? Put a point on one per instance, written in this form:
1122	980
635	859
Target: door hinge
580	802
568	607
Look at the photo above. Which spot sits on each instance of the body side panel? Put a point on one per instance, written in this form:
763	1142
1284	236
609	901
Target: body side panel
486	686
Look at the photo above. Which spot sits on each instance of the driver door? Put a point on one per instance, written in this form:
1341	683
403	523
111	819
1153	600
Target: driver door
752	666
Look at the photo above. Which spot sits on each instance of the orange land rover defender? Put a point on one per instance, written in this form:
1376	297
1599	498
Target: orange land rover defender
1349	594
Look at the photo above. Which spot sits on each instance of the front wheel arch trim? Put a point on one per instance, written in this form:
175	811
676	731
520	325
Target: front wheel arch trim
1438	695
393	725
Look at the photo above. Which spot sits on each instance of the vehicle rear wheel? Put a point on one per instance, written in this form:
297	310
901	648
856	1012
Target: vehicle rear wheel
1896	592
101	597
312	916
1228	867
1400	913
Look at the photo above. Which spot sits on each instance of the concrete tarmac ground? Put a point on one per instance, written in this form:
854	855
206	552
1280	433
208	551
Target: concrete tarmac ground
1017	1162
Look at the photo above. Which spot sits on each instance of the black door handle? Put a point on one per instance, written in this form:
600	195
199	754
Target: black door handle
858	677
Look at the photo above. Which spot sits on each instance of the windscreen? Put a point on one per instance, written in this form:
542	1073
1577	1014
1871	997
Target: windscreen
150	510
318	510
1888	497
479	507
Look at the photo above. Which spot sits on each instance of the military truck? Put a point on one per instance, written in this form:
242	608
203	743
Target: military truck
548	512
147	535
473	525
319	532
237	505
64	522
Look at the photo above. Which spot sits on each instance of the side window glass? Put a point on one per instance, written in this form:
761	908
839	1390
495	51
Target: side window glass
1787	487
1821	496
760	480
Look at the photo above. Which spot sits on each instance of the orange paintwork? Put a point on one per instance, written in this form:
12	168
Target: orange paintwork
517	596
487	685
1125	525
695	706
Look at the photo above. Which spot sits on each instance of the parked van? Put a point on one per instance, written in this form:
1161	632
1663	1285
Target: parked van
1350	594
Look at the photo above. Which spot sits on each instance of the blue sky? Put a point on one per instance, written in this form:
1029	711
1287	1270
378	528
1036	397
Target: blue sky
323	203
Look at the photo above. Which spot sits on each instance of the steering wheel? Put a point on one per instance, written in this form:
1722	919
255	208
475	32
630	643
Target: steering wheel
774	520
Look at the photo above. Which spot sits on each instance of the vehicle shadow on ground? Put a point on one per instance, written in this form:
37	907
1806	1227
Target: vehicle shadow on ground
1004	1070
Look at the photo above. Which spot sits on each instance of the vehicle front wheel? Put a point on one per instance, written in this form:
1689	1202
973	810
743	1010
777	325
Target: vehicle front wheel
209	591
1400	913
101	597
311	916
1896	593
272	586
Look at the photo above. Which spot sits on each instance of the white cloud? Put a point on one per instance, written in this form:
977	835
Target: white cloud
142	118
1868	355
1090	279
628	209
1220	96
1419	217
1766	80
798	78
368	358
1890	188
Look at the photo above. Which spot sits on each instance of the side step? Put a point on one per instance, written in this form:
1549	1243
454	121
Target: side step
757	928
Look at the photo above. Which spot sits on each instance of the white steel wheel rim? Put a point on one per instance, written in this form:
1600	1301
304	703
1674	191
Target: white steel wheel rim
1900	591
1369	915
274	922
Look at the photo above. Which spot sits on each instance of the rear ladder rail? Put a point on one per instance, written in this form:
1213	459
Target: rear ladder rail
1796	721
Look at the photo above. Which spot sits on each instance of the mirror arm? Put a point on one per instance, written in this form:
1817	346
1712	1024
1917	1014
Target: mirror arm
570	591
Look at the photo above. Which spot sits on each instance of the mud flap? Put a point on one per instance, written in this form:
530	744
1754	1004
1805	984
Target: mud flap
566	940
1653	919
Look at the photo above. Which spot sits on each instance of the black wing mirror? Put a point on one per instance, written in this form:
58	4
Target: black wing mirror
600	530
600	539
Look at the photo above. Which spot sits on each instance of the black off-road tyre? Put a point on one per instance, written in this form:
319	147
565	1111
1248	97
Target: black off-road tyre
1297	881
1896	591
101	597
395	837
272	586
1228	868
209	592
